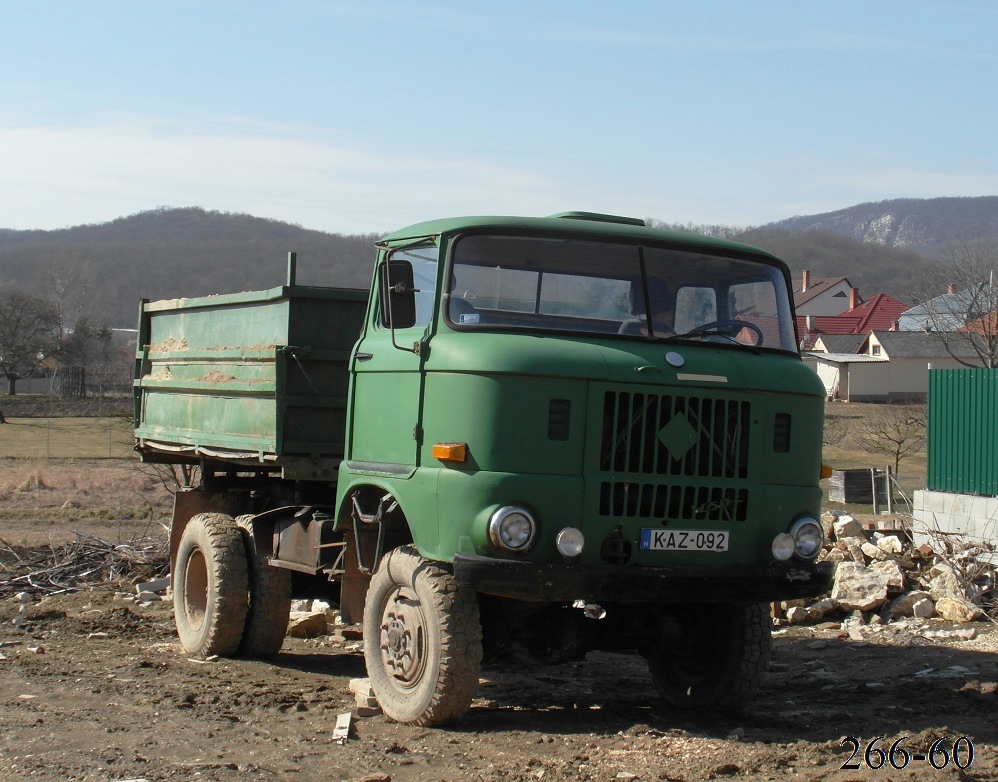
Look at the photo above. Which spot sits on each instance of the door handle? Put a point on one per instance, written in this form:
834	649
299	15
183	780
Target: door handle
363	356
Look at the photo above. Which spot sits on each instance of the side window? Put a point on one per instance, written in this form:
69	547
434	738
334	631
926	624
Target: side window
694	307
424	273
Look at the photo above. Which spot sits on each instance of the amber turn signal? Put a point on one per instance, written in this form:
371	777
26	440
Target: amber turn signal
450	452
826	471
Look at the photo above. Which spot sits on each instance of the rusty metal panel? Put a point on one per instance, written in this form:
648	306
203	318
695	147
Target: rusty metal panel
963	424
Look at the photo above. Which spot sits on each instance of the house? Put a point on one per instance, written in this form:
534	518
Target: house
829	296
887	366
879	313
949	312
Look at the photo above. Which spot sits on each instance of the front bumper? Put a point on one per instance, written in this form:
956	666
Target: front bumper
561	581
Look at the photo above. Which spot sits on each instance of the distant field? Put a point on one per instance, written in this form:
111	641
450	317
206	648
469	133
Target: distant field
66	438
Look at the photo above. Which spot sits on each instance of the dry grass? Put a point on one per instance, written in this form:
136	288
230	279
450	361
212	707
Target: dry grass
49	499
66	438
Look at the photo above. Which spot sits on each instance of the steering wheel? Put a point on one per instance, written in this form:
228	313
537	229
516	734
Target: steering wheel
730	329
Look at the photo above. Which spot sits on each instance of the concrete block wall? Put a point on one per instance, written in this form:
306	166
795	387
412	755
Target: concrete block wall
969	515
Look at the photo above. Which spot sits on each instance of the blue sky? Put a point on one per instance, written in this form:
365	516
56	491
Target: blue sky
366	116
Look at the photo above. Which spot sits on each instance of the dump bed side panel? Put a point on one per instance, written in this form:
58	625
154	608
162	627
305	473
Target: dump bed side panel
257	379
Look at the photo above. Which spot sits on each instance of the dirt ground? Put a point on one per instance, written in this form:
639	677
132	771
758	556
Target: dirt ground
94	686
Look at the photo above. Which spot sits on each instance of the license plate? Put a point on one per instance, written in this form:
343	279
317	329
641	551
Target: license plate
684	539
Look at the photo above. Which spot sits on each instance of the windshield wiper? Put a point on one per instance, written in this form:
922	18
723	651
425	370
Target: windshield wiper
712	331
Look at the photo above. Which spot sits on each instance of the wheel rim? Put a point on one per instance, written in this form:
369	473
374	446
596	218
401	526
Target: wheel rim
196	589
403	639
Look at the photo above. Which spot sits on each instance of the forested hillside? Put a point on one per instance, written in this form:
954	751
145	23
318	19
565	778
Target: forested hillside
166	253
873	268
925	225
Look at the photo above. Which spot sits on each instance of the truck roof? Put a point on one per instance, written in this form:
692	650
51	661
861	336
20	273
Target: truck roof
578	223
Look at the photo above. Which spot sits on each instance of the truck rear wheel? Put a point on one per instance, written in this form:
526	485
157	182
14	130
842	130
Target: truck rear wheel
422	640
712	656
269	601
210	586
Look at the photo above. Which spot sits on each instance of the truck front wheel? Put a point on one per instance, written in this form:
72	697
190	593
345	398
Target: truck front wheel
422	640
712	656
210	586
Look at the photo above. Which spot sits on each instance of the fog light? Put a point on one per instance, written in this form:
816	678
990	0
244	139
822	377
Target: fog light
783	546
808	538
570	542
512	529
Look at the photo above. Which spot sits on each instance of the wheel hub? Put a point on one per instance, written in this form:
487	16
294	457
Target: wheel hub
402	640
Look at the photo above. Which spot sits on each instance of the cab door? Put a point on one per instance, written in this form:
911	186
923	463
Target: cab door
387	366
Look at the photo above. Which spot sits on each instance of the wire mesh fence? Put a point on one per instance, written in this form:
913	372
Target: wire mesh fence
62	438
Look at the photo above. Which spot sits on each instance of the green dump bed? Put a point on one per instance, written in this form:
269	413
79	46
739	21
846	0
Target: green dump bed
257	379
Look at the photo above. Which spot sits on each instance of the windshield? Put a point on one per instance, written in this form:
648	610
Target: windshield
645	293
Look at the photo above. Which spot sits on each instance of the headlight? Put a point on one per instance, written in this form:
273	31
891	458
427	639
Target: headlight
512	529
783	546
569	542
808	538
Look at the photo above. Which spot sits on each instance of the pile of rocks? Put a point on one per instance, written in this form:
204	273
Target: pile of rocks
881	576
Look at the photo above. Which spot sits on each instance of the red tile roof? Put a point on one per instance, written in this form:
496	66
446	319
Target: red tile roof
878	313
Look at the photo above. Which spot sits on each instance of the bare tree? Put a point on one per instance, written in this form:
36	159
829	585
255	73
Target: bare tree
70	285
959	301
836	429
29	334
897	430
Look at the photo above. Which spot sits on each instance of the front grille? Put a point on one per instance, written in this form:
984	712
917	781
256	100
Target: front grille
659	434
660	501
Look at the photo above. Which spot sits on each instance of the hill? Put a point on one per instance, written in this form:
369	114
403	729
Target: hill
883	247
924	225
873	268
166	253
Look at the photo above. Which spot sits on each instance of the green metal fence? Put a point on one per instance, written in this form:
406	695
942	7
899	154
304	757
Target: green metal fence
963	431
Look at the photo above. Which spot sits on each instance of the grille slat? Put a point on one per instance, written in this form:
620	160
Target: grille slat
637	436
677	437
621	499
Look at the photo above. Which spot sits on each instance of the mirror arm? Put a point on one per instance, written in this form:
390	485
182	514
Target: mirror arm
398	287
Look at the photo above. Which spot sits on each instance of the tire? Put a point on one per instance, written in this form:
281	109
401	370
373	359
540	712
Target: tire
422	640
210	586
269	601
717	659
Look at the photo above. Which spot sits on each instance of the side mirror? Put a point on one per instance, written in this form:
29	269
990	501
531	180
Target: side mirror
397	295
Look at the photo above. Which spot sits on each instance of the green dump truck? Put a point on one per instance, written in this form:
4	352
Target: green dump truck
532	435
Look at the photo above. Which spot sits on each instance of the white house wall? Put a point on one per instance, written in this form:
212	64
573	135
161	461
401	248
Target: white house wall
868	382
827	303
879	381
829	375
